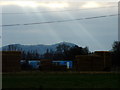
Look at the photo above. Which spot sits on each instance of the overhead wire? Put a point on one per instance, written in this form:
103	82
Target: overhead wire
58	21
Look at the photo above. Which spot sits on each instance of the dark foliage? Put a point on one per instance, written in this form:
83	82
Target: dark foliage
116	54
63	51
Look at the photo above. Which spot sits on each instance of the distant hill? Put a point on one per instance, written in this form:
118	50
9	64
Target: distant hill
41	49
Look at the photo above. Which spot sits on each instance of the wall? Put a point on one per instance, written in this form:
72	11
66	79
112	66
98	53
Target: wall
10	61
99	61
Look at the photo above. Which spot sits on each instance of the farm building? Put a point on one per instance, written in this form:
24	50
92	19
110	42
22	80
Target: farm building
10	61
99	61
67	63
50	65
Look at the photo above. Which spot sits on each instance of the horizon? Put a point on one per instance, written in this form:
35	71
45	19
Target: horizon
55	44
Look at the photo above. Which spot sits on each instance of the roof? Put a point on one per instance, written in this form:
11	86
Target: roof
11	52
103	51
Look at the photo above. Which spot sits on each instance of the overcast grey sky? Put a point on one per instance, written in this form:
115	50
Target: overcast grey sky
97	34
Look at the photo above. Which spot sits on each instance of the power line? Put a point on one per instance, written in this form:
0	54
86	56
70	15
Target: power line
60	11
58	21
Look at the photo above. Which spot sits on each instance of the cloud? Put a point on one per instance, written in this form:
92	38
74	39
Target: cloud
98	34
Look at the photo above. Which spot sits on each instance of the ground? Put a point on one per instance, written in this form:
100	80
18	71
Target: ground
61	80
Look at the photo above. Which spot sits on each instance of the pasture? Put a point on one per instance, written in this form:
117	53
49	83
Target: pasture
61	80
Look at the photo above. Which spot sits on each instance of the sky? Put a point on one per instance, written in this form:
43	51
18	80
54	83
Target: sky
96	33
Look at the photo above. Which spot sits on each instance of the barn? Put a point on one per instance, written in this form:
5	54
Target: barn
99	61
10	61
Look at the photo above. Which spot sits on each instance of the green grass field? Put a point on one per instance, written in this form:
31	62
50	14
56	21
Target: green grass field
60	80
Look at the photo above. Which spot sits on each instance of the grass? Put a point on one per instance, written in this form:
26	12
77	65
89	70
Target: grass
60	80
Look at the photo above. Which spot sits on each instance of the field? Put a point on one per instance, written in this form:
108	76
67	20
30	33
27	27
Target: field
61	80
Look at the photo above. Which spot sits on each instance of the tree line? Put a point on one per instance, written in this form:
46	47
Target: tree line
62	51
